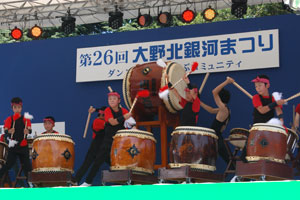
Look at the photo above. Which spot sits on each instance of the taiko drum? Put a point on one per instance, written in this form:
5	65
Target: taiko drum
53	152
195	147
151	76
267	142
133	149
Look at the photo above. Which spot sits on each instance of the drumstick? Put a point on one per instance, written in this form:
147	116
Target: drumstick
87	123
134	102
243	90
141	93
13	126
109	88
203	82
293	97
25	128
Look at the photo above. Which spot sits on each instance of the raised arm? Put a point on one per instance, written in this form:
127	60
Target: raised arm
209	108
216	91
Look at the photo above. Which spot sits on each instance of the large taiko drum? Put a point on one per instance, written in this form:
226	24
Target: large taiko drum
267	142
238	137
3	153
152	77
53	152
133	149
292	141
195	147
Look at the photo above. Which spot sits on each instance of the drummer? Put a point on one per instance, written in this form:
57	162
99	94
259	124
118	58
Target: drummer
49	123
221	97
14	129
98	136
115	116
190	104
264	103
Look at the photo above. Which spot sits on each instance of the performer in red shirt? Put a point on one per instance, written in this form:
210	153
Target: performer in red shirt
16	129
264	104
49	123
190	104
98	136
115	115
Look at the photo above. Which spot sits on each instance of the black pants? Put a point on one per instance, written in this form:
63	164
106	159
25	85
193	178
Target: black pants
13	153
90	156
222	149
102	156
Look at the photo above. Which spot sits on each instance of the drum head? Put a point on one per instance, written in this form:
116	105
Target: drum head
126	89
175	72
268	127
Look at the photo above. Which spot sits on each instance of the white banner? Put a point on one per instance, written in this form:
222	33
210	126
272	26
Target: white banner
219	53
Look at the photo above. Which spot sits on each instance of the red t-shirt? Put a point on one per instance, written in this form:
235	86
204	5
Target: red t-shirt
98	125
108	114
8	122
257	102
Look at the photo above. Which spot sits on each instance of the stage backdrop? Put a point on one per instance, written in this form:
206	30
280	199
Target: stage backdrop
43	74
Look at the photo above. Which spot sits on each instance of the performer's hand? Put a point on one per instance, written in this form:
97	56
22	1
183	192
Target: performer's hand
186	79
281	102
26	131
11	131
229	79
91	109
127	115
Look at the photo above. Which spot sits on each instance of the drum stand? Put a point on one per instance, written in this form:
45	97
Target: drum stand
19	176
233	157
264	170
127	177
51	178
188	175
165	120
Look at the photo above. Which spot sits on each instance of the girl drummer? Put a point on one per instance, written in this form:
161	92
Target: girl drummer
221	97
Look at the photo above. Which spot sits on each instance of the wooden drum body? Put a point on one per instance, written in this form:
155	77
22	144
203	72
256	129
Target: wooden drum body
195	147
238	137
150	76
53	152
267	142
133	149
3	152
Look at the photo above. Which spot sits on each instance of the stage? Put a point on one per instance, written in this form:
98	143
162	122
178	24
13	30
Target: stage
241	190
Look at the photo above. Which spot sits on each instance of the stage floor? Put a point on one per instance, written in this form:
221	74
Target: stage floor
237	190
